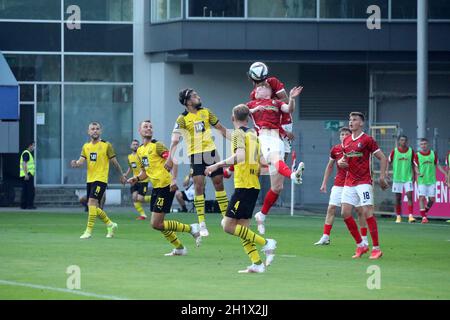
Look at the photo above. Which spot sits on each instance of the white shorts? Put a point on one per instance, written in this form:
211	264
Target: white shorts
397	187
361	195
270	143
427	190
336	197
286	141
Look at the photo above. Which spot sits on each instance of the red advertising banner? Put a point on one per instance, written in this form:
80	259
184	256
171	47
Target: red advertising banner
441	208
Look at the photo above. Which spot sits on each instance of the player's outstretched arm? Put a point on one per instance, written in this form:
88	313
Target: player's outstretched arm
383	166
223	131
237	157
141	176
326	175
175	140
77	163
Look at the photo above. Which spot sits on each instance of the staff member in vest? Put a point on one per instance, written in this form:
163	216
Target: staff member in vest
426	162
402	160
27	173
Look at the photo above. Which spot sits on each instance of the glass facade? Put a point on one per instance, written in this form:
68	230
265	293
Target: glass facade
30	9
404	9
110	105
282	9
65	85
104	10
350	9
217	9
165	10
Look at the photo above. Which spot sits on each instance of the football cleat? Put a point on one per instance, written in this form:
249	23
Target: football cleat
424	220
260	218
399	219
203	231
177	252
411	219
254	268
111	230
298	173
141	218
376	254
360	251
269	251
86	235
325	240
195	232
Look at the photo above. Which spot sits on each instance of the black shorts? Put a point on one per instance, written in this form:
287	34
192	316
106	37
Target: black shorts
140	187
162	200
242	203
95	190
200	161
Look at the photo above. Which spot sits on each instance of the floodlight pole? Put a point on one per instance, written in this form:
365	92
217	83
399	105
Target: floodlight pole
422	68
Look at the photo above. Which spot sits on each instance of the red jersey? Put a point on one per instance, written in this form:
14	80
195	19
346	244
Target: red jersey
275	84
336	153
270	116
286	118
358	151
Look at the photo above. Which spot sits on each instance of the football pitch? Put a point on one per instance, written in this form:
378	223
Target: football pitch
36	250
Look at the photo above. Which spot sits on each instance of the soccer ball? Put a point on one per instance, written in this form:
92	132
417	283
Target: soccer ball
258	71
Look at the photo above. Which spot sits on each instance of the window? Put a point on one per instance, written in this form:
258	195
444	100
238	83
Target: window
18	36
100	38
351	9
282	8
404	9
439	9
103	10
98	68
216	9
164	10
112	106
48	144
35	67
30	9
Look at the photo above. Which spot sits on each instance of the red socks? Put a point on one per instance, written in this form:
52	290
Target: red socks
364	232
410	209
373	228
283	169
269	200
327	229
423	213
398	209
353	228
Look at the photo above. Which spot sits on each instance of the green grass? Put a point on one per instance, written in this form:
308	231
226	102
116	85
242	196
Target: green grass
37	248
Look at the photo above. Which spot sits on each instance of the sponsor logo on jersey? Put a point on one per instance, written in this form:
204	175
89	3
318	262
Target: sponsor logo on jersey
354	154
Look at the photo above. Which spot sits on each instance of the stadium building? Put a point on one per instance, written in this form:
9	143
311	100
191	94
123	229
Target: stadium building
122	61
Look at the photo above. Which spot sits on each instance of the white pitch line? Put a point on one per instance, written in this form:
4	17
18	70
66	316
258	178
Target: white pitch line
288	256
80	293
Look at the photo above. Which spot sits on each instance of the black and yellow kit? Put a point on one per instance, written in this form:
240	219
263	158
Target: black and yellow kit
134	163
196	131
151	156
97	156
246	175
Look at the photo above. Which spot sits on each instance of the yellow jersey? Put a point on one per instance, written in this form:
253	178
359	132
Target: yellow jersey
196	130
152	161
246	174
134	164
97	156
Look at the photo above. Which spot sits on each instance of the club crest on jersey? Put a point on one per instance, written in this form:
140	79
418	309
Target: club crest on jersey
359	145
93	156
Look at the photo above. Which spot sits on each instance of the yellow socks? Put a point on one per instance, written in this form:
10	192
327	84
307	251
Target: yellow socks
171	225
246	234
199	203
251	251
172	238
102	215
222	200
147	199
91	218
139	208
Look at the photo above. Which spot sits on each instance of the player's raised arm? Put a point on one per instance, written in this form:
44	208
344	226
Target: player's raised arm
294	93
326	175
